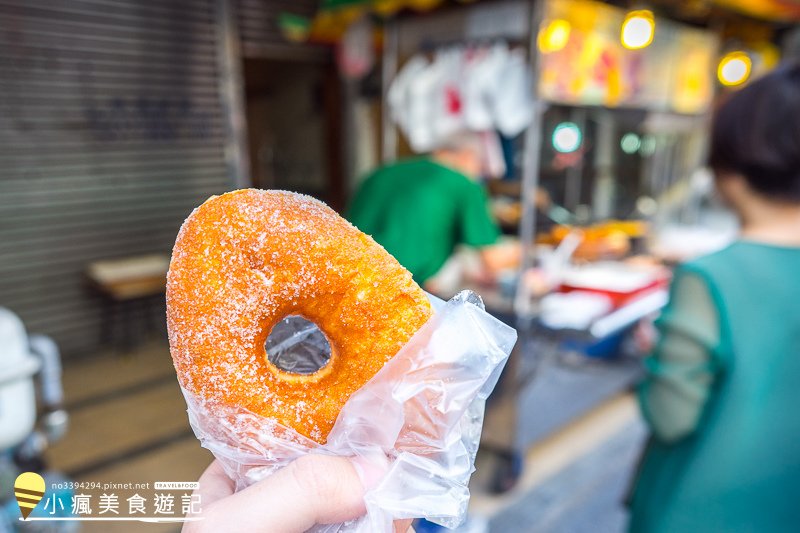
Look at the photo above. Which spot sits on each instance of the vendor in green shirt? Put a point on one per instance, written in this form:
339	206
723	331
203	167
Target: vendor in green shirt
420	209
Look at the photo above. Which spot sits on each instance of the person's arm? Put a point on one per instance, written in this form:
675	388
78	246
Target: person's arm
682	369
501	256
477	229
315	489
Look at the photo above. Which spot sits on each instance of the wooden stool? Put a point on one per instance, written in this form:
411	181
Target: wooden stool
127	283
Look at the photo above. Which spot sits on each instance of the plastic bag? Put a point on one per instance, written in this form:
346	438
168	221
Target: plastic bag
420	418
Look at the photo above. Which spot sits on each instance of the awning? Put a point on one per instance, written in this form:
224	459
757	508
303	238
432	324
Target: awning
772	10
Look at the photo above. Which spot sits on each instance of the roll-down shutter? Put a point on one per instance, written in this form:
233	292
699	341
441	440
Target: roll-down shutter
111	131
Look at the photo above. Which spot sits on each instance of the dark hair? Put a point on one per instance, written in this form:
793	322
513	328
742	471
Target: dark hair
756	133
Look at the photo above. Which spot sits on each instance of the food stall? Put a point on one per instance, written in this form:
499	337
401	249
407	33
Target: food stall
594	142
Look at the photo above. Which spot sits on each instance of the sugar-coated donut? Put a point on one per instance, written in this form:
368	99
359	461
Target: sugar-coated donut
245	260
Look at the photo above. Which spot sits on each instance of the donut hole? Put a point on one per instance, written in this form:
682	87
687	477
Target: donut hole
297	346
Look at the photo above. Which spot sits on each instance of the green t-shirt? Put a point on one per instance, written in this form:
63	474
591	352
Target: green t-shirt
419	211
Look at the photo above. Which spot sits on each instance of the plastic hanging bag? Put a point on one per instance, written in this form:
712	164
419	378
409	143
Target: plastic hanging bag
399	96
514	103
419	418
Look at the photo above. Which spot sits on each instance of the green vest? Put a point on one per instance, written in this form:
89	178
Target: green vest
740	470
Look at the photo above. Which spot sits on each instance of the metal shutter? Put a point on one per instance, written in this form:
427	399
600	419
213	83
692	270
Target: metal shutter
111	131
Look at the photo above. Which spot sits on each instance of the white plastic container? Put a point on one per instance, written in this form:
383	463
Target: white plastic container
17	392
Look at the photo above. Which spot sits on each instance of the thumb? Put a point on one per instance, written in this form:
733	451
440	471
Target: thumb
314	489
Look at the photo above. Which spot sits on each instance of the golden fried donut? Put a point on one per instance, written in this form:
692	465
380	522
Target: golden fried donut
245	260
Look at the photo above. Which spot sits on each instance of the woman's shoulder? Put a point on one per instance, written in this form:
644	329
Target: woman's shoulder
743	261
710	261
747	248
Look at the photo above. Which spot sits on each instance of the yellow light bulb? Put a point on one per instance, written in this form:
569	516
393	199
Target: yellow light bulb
734	68
638	29
555	36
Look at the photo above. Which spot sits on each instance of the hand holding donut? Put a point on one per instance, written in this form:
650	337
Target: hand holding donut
315	489
242	262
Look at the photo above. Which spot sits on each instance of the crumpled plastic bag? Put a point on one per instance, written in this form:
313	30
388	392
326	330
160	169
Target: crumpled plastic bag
419	418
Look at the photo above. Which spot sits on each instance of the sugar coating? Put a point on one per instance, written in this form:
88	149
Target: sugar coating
245	260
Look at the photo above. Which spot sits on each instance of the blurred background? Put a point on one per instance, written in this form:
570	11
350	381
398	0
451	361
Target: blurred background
118	117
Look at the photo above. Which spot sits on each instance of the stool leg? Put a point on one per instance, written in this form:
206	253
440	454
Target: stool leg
107	322
127	325
149	320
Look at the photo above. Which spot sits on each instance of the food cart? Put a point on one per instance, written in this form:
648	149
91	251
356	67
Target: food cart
577	129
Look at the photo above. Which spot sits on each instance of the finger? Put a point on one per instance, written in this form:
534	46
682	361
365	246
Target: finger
214	484
314	489
403	526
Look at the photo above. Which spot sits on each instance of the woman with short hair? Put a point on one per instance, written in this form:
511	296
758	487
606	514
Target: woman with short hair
723	384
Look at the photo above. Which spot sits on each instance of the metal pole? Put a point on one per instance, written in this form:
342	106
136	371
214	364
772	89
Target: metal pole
232	94
530	172
502	414
388	71
604	191
574	183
